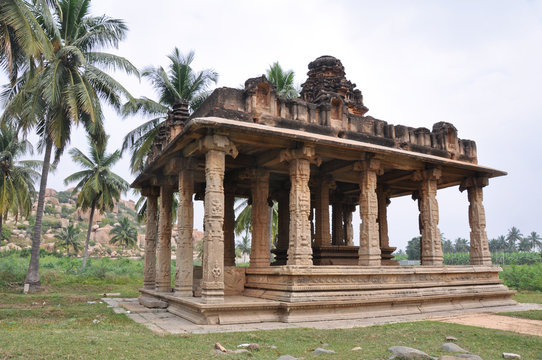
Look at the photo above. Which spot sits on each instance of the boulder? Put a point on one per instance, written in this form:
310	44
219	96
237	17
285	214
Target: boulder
453	348
10	246
101	235
50	192
319	351
64	223
408	353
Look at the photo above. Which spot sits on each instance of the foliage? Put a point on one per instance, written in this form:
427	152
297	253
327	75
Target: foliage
244	245
124	233
523	277
461	245
512	238
516	258
179	83
283	81
50	223
70	237
413	248
16	177
6	233
64	197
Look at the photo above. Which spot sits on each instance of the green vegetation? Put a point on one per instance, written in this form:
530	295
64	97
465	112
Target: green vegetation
283	81
523	277
98	187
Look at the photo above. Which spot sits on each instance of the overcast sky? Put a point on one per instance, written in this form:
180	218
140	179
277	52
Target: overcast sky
476	64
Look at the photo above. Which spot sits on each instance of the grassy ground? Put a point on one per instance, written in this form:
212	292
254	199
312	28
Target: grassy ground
67	321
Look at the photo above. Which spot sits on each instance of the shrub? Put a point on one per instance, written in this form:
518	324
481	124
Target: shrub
523	277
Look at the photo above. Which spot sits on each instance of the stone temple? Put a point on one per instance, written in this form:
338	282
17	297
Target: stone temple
313	155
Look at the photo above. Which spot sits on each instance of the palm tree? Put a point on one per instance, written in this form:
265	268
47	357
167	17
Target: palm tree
98	187
124	233
16	177
180	82
21	35
461	245
283	81
513	236
536	240
525	245
64	88
70	236
244	245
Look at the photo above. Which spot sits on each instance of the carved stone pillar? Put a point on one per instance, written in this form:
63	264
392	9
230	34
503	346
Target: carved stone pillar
163	261
259	254
431	247
284	227
323	236
348	227
337	229
383	202
229	226
300	250
185	220
369	242
479	247
212	284
149	272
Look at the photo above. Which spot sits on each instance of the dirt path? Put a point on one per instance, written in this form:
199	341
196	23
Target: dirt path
499	322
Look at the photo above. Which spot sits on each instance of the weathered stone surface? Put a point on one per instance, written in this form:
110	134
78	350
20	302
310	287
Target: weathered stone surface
451	338
151	235
259	255
163	248
286	357
511	356
453	347
185	212
369	242
407	353
319	351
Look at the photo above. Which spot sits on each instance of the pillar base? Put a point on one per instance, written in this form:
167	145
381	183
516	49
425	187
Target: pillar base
183	293
212	296
152	302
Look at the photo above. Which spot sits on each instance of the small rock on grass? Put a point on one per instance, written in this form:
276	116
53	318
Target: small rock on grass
323	351
453	348
220	347
451	338
253	347
405	352
511	356
287	357
357	348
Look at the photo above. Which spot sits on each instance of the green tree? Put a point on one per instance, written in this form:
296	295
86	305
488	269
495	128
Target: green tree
447	246
16	176
461	245
64	87
283	80
124	233
244	245
413	248
514	236
70	236
535	240
21	34
179	83
98	187
525	245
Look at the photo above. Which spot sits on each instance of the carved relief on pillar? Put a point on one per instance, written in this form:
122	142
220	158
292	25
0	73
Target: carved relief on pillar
300	251
479	247
163	258
185	214
284	226
369	243
431	247
323	235
151	235
259	255
216	147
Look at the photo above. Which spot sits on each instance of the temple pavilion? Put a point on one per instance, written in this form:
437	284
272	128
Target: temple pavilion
319	157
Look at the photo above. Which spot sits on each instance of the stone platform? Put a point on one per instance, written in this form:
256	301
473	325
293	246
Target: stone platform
313	293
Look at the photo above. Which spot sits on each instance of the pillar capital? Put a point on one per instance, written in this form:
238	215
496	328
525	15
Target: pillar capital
218	143
473	181
370	164
306	152
150	191
429	174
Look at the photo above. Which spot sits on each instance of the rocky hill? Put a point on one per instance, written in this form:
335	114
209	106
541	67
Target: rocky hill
61	211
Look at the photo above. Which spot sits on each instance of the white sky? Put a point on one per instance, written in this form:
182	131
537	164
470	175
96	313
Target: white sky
476	64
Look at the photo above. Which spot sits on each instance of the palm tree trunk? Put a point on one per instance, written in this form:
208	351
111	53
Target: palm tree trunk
91	217
33	274
1	224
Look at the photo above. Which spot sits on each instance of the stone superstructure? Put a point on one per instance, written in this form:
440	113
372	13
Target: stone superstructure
316	155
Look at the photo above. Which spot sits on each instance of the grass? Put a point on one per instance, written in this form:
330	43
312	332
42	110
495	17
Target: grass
67	321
